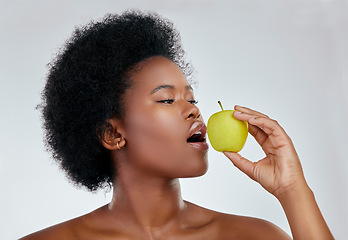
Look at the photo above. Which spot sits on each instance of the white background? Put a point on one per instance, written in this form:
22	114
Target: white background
287	59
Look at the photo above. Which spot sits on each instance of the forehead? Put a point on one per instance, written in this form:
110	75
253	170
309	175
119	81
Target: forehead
157	71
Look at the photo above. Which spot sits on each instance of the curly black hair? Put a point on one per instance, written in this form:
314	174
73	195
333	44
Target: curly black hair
86	84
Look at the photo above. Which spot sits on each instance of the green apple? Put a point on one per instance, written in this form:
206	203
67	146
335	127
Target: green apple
225	132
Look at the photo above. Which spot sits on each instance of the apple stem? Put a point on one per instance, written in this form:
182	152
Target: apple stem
220	105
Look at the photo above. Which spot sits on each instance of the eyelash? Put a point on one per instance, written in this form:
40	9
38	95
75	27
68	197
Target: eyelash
170	101
193	102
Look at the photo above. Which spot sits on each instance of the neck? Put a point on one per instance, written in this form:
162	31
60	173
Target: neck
147	201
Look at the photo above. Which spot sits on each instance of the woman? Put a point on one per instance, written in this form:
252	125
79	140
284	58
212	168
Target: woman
119	110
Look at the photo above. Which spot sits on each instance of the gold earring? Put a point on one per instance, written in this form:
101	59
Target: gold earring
118	146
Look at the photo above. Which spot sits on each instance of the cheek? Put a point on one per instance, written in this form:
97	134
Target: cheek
154	134
156	141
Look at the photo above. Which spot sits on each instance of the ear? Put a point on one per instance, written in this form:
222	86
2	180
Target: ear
112	135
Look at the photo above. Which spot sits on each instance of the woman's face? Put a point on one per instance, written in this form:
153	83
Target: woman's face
160	116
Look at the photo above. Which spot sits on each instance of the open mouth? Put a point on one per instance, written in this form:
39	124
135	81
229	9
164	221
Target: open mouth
196	137
197	133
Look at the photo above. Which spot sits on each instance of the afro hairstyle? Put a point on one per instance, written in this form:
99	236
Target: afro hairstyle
86	83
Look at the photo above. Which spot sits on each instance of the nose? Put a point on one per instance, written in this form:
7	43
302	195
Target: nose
191	111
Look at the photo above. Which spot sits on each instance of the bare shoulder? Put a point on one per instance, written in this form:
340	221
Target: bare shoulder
229	226
61	231
249	227
69	230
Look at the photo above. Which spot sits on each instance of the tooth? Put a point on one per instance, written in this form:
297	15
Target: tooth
198	132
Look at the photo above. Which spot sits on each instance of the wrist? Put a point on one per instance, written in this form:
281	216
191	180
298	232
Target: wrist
303	213
294	191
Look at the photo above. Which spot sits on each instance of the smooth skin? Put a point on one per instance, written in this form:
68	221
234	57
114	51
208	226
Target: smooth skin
154	154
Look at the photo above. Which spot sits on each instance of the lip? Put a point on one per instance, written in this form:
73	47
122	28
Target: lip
198	126
203	146
195	127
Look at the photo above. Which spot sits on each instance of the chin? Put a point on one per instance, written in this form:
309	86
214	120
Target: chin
196	170
202	171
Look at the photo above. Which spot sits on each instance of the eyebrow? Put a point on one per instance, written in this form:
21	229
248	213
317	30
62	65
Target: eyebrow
188	87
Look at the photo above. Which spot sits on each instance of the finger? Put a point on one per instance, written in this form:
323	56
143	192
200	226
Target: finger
262	139
241	163
245	116
275	132
269	126
259	135
249	111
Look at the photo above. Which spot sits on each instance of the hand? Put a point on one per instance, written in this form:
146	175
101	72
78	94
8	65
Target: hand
280	171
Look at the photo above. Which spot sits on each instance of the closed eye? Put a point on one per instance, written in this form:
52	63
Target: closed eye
193	102
170	101
167	101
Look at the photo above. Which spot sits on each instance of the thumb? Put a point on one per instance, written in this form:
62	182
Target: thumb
241	163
